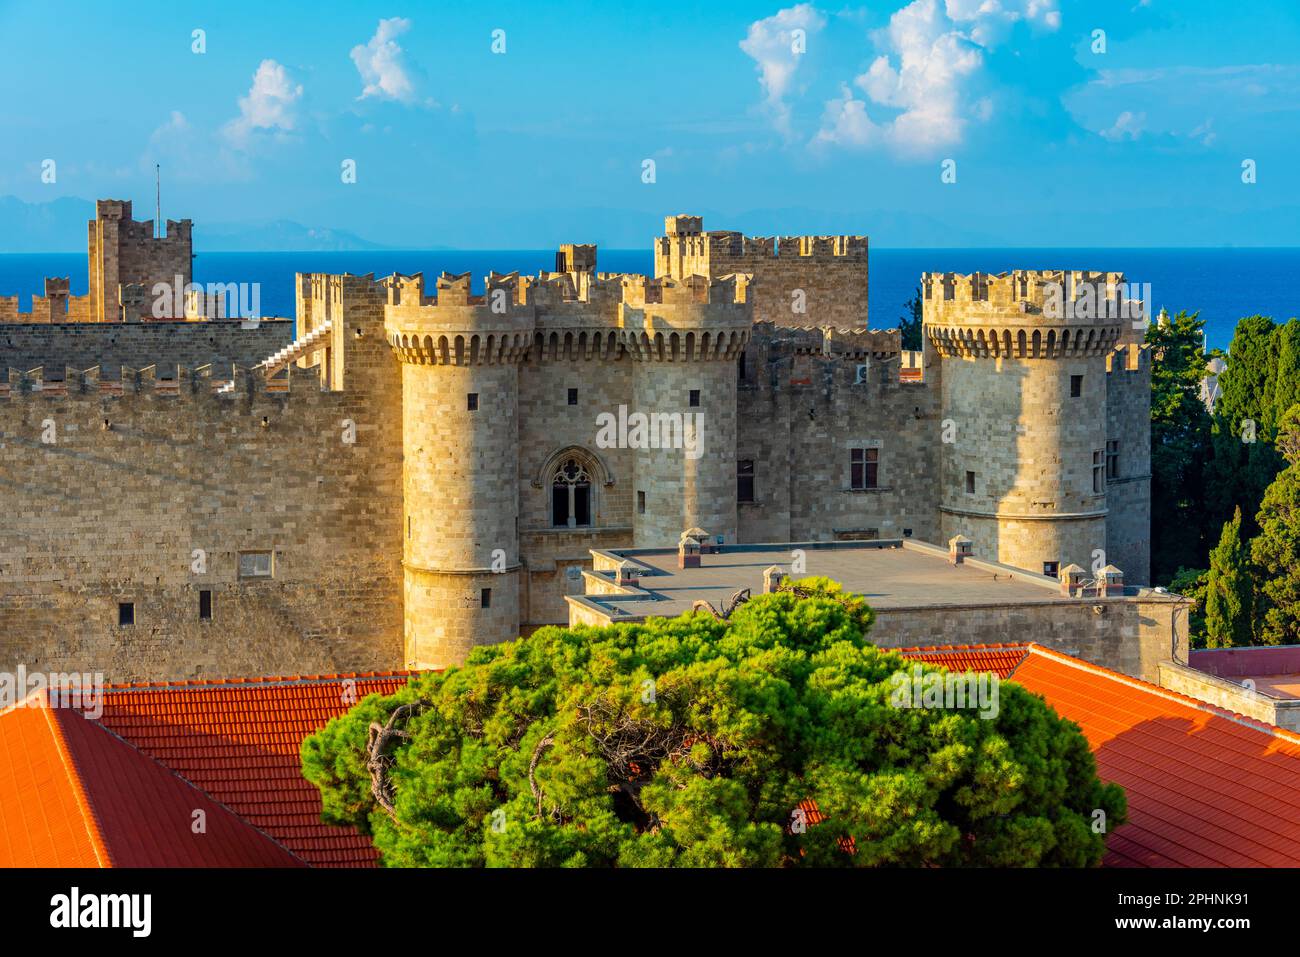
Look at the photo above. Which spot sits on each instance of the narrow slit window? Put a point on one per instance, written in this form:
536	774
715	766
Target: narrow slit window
745	480
205	605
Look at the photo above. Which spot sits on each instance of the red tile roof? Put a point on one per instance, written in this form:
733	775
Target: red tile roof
1206	787
74	795
239	741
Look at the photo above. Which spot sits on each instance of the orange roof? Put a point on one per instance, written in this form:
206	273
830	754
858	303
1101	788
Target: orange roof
74	795
1206	787
239	741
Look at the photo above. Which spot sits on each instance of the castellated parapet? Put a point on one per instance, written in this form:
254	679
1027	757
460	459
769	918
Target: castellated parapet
795	280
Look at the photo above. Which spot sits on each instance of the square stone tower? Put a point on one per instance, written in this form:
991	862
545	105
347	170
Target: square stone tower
124	252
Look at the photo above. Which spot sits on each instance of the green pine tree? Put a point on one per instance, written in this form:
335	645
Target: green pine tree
1242	460
692	741
1246	386
1286	381
910	322
1180	438
1276	549
1229	590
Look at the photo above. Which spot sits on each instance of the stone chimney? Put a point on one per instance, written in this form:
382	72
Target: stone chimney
773	575
688	553
627	574
959	549
133	301
1112	582
706	541
1071	578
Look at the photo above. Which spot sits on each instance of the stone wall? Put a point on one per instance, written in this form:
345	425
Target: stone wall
800	415
1131	635
1222	693
1128	495
108	498
82	345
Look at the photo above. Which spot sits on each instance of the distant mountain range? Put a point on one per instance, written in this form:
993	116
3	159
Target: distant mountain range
60	226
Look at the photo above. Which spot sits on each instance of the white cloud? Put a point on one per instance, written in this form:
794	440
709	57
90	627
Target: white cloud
845	123
268	105
922	89
771	44
1127	125
380	63
987	22
926	84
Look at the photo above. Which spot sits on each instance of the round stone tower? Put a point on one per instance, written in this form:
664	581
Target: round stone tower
460	461
685	337
1022	360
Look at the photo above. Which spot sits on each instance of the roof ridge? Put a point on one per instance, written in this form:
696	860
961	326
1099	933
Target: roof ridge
255	682
1244	720
89	816
994	646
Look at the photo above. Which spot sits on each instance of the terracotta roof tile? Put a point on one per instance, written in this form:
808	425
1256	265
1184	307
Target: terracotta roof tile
239	740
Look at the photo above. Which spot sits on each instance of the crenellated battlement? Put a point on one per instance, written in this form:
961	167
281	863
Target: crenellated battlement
1031	295
101	383
1129	357
1027	313
685	241
829	341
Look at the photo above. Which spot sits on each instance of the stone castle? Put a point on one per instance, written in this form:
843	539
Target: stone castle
414	469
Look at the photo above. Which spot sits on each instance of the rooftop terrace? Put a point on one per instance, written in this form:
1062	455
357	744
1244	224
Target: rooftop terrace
891	574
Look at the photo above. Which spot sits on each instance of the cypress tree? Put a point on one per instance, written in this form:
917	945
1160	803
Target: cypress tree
1229	592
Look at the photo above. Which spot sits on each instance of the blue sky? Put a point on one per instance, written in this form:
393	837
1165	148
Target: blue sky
1053	143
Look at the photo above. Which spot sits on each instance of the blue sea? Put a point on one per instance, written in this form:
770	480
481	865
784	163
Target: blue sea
1223	284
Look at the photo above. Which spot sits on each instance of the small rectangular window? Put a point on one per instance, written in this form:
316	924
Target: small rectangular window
485	598
1051	569
907	533
745	480
1076	386
695	398
742	367
640	503
256	565
1112	459
573	397
970	483
473	402
125	613
205	605
1098	471
864	465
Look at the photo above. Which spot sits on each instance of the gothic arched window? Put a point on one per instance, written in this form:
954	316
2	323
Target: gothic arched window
571	495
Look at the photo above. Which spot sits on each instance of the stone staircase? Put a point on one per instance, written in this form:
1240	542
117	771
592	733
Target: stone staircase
303	345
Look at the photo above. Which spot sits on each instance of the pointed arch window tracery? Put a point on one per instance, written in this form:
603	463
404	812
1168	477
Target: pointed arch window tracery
571	495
